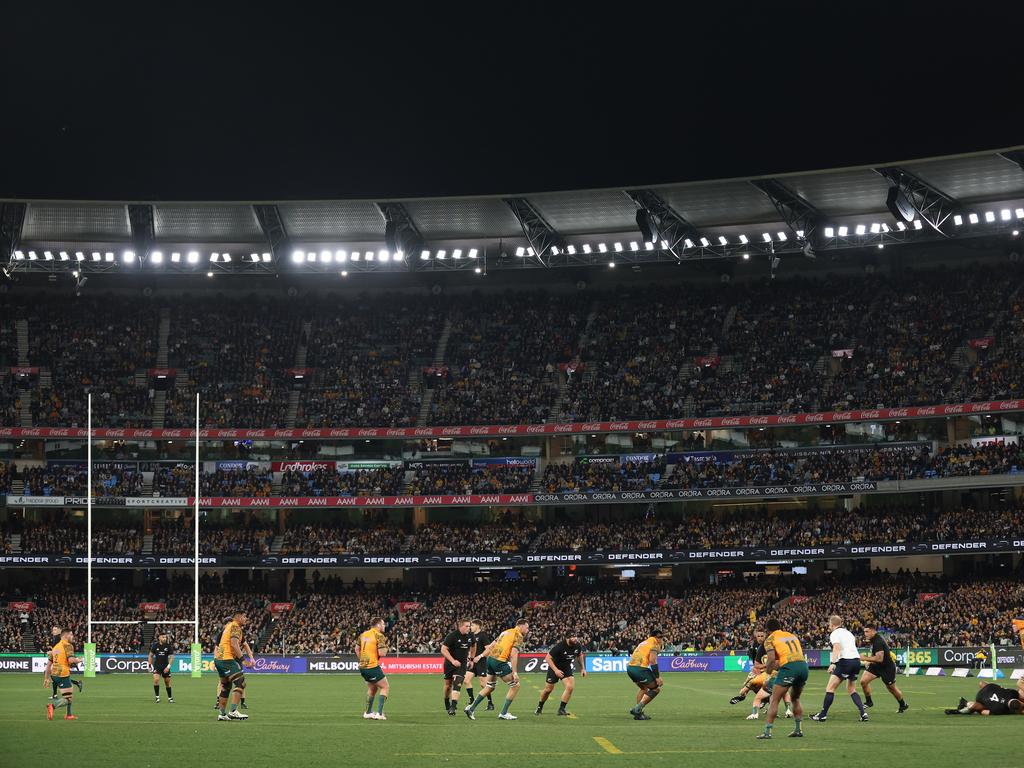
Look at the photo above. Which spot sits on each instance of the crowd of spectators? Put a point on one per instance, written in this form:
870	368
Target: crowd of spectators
252	481
177	537
380	481
588	474
460	479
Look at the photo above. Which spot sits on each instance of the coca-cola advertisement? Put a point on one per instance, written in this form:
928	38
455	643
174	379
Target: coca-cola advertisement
23	606
983	342
152	607
281	607
409	606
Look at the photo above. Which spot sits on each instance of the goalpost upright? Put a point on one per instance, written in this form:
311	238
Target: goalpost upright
89	648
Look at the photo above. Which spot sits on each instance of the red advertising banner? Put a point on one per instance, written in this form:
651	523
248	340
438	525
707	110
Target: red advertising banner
847	353
435	370
708	361
301	466
526	430
534	604
24	371
281	607
408	606
300	373
798	599
22	606
982	343
152	607
162	373
924	597
407	665
249	502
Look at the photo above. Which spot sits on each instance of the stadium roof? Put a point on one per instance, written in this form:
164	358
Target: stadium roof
962	196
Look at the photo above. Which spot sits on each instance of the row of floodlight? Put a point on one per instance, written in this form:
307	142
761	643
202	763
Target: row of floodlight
128	257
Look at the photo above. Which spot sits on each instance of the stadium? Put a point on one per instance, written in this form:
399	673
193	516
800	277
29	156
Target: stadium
635	472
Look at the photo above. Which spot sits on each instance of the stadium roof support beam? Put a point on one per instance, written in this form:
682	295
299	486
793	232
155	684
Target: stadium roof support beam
273	228
542	236
140	218
806	221
932	204
12	218
670	225
400	231
1015	156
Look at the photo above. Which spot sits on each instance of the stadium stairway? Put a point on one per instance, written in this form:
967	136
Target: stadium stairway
558	409
730	318
162	361
301	354
147	544
24	394
22	329
28	639
148	631
439	354
15	540
159	411
276	544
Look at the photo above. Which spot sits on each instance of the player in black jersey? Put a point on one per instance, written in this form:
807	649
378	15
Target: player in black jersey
481	639
993	700
757	677
881	663
455	649
161	656
564	658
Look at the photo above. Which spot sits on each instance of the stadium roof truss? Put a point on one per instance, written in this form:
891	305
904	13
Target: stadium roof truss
971	196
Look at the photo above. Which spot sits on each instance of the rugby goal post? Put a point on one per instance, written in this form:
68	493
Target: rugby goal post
89	648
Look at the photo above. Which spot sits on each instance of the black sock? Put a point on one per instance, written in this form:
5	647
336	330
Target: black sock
868	701
156	690
470	692
856	700
54	686
561	706
540	705
829	698
169	694
240	702
489	699
447	704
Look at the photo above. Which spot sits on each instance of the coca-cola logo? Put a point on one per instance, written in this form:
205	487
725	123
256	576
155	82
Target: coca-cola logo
675	424
812	417
786	420
116	433
977	407
930	411
340	432
842	416
647	425
478	430
730	422
395	433
953	409
564	427
172	433
535	429
257	433
423	432
451	431
1010	405
229	433
703	422
367	433
755	420
901	412
594	426
619	426
507	430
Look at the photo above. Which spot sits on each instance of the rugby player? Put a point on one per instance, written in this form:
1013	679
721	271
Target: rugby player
161	656
881	665
993	700
643	671
564	658
370	646
502	656
59	661
785	657
481	639
455	649
1018	628
228	658
54	639
845	666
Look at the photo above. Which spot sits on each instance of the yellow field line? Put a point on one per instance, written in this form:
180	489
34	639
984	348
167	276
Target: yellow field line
619	752
607	746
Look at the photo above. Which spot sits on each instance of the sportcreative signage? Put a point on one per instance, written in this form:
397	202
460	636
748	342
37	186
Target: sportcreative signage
506	430
526	559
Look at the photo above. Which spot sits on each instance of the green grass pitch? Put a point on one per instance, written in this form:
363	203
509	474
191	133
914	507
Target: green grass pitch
312	720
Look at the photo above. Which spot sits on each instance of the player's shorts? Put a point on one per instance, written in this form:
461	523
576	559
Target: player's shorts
480	668
755	682
884	672
451	671
847	669
553	678
769	684
497	667
640	675
792	675
372	674
227	667
62	682
164	671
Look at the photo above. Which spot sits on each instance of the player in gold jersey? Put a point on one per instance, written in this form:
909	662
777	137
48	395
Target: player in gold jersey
228	658
60	660
370	646
786	659
502	657
643	670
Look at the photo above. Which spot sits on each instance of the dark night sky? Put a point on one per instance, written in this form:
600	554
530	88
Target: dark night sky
490	97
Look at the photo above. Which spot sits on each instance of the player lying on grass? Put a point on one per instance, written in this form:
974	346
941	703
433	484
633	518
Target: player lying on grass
881	665
59	662
564	658
370	647
993	700
643	671
502	657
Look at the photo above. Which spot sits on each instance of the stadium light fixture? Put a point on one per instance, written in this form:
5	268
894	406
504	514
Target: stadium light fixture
32	256
79	256
687	243
209	274
266	258
1016	232
48	255
586	248
193	257
918	224
901	226
830	232
744	240
355	256
766	237
473	252
19	255
861	229
340	256
973	218
844	231
311	256
64	256
175	257
399	255
723	240
530	252
664	245
617	247
990	216
1019	213
649	246
746	257
705	242
885	227
611	264
876	228
477	270
109	257
424	255
881	246
254	258
384	255
325	257
571	250
441	254
634	246
520	251
602	247
800	234
226	257
554	250
1005	214
344	273
128	257
369	256
457	253
781	236
214	257
298	257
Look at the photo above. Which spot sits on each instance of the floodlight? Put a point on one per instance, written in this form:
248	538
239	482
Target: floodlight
298	257
973	218
193	257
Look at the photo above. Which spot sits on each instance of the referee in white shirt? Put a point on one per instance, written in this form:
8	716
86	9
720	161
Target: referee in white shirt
845	666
